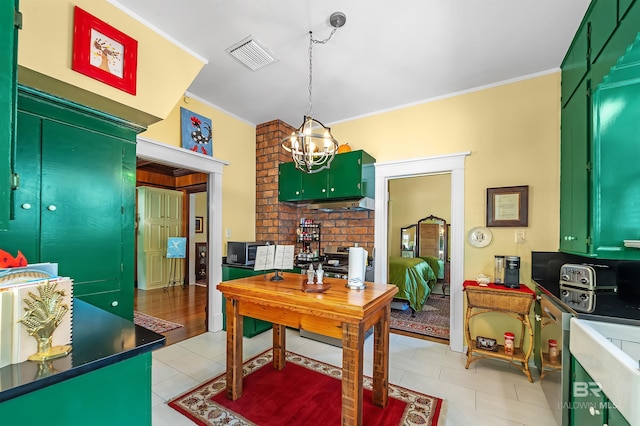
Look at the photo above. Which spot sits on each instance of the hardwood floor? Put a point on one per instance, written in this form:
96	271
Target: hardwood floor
186	306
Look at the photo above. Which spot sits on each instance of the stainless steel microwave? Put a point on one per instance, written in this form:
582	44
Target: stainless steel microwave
242	253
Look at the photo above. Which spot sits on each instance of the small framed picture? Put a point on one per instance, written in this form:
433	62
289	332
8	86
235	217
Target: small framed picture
103	52
508	206
199	225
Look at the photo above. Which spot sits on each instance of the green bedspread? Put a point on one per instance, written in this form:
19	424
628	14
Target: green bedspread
414	278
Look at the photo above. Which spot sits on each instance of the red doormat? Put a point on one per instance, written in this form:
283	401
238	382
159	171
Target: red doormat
154	324
305	392
432	321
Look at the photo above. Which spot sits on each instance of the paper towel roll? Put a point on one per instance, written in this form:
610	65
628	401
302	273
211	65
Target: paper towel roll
357	267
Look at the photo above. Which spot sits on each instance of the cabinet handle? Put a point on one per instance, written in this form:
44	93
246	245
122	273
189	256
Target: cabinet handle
324	190
114	303
333	189
52	208
26	206
570	238
593	411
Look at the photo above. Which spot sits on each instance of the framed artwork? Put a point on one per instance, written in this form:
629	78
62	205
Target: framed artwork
176	248
508	206
103	52
199	225
196	132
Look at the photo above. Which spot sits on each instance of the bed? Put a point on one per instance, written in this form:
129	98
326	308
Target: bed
415	277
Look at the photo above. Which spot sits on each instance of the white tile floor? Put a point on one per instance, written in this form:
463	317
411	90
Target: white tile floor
490	392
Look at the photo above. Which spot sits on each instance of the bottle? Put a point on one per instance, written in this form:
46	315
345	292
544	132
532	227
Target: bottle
553	350
499	270
319	274
509	339
310	274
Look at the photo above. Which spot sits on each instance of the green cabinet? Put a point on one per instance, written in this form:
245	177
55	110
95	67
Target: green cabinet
589	404
574	172
8	61
75	204
351	175
598	176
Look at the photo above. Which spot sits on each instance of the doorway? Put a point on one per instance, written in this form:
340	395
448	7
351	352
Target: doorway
454	164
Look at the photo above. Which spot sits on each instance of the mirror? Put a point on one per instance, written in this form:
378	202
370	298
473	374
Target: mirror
433	241
408	241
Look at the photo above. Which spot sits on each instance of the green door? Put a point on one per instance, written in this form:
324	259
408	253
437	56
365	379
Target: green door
24	233
345	180
603	19
289	182
575	64
81	219
9	42
588	402
315	185
574	174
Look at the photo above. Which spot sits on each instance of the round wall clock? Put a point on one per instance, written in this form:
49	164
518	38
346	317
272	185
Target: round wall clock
479	236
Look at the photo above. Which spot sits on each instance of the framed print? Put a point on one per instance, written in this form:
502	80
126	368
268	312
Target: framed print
103	52
176	248
196	133
199	225
508	206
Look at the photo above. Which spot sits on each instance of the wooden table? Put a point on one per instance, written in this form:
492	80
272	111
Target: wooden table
339	312
512	302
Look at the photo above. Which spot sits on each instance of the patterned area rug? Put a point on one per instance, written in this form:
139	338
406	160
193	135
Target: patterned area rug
432	321
312	397
154	324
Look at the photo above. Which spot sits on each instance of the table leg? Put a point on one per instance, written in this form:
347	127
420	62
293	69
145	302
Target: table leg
352	343
234	350
279	346
381	359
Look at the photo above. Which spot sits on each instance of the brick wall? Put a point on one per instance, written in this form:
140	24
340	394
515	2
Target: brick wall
277	221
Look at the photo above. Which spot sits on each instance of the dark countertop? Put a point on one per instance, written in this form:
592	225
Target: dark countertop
609	306
100	338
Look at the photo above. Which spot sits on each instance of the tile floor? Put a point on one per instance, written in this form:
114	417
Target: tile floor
490	392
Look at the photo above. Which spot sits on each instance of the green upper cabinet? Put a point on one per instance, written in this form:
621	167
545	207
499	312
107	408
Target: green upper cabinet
575	64
9	41
574	172
289	182
351	175
603	19
623	6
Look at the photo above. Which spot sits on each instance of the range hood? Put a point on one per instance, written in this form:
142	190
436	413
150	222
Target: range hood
357	204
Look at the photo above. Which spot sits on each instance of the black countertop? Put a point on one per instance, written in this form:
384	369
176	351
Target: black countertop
100	338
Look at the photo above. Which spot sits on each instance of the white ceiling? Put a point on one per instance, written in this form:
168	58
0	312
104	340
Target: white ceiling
388	54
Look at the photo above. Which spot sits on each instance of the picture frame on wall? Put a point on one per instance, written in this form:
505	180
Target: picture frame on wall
104	53
508	206
199	225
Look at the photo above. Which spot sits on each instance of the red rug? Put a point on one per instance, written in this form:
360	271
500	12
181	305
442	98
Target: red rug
305	392
153	323
432	321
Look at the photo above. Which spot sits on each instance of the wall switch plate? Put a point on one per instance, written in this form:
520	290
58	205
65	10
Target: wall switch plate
520	237
228	233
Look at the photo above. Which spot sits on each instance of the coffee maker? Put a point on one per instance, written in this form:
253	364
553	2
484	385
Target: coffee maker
512	272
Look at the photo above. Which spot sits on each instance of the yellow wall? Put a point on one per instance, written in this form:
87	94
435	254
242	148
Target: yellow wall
234	141
412	199
513	133
45	50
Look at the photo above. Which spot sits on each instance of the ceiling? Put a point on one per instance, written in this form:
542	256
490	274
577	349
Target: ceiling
386	56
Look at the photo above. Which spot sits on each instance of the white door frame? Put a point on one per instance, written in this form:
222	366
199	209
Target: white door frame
454	164
158	152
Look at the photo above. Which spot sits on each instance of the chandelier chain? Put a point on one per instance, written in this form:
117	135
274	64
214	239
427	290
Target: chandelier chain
311	43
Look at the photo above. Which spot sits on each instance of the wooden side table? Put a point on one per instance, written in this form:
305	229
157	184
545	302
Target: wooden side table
515	303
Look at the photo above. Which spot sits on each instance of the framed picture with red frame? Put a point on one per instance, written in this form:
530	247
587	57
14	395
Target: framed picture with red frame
103	52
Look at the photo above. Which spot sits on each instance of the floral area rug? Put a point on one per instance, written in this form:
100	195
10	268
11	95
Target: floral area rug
305	392
154	324
432	321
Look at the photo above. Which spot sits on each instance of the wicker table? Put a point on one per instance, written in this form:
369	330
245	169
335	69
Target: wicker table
515	303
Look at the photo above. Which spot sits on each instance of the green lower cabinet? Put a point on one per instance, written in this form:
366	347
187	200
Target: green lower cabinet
119	394
589	405
250	326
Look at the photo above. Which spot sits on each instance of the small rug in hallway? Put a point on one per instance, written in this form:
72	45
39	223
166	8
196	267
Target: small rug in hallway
432	321
154	324
304	392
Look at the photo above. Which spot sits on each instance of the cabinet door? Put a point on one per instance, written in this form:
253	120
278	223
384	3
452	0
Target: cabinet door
289	182
81	219
574	174
603	19
345	179
316	185
24	233
588	401
616	182
576	63
8	60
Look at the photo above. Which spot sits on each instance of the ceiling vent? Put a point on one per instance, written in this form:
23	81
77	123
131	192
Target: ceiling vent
251	53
